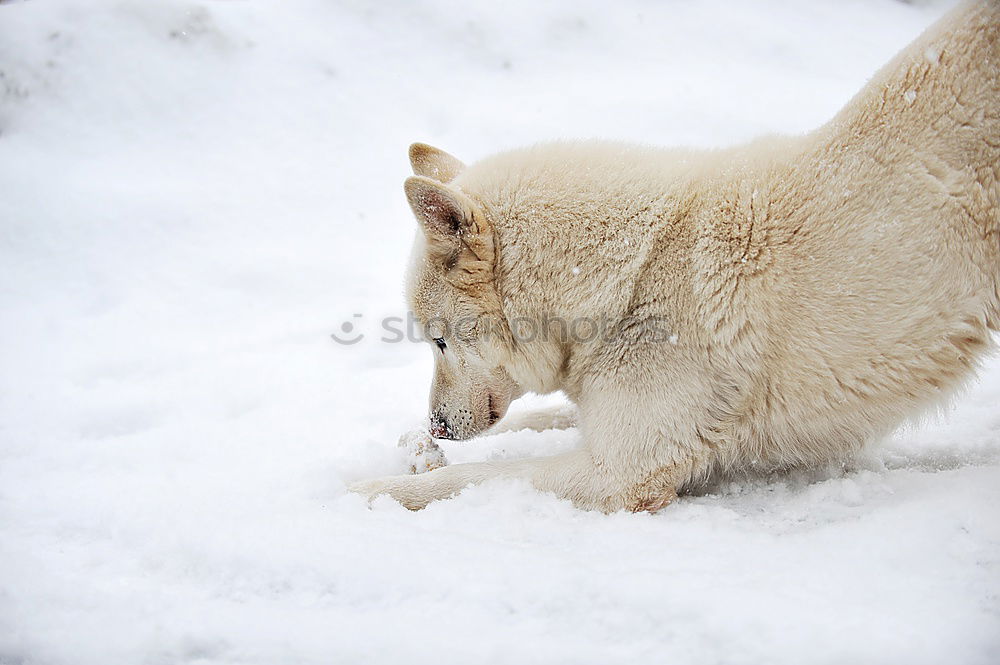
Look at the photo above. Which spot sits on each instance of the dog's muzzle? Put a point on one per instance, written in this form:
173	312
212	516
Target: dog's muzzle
439	428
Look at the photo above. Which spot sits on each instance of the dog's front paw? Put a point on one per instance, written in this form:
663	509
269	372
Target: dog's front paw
370	489
410	491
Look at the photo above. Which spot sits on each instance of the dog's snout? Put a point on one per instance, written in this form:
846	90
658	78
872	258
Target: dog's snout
439	427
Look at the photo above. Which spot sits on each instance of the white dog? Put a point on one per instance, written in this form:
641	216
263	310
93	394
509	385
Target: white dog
777	304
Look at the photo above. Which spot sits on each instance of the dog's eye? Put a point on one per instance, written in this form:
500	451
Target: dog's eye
440	342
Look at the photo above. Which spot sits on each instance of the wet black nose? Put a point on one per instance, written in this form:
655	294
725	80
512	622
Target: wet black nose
440	429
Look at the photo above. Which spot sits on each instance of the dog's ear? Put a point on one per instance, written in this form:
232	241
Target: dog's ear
435	164
443	212
458	235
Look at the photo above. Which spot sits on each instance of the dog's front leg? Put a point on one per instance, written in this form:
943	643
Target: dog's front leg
632	459
573	475
593	479
590	481
635	455
416	491
561	416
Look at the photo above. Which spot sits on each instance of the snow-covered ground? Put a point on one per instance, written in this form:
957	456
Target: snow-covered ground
193	196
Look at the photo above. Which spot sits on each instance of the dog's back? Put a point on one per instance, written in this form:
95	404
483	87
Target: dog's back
858	281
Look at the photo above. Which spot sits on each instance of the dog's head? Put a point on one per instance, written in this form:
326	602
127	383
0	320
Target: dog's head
451	290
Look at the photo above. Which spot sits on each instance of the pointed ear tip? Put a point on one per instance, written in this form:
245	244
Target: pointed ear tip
421	190
422	151
418	182
417	149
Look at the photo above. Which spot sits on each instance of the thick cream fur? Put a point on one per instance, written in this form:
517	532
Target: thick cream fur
817	290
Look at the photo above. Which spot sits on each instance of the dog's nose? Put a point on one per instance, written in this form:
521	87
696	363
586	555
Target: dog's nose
439	428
